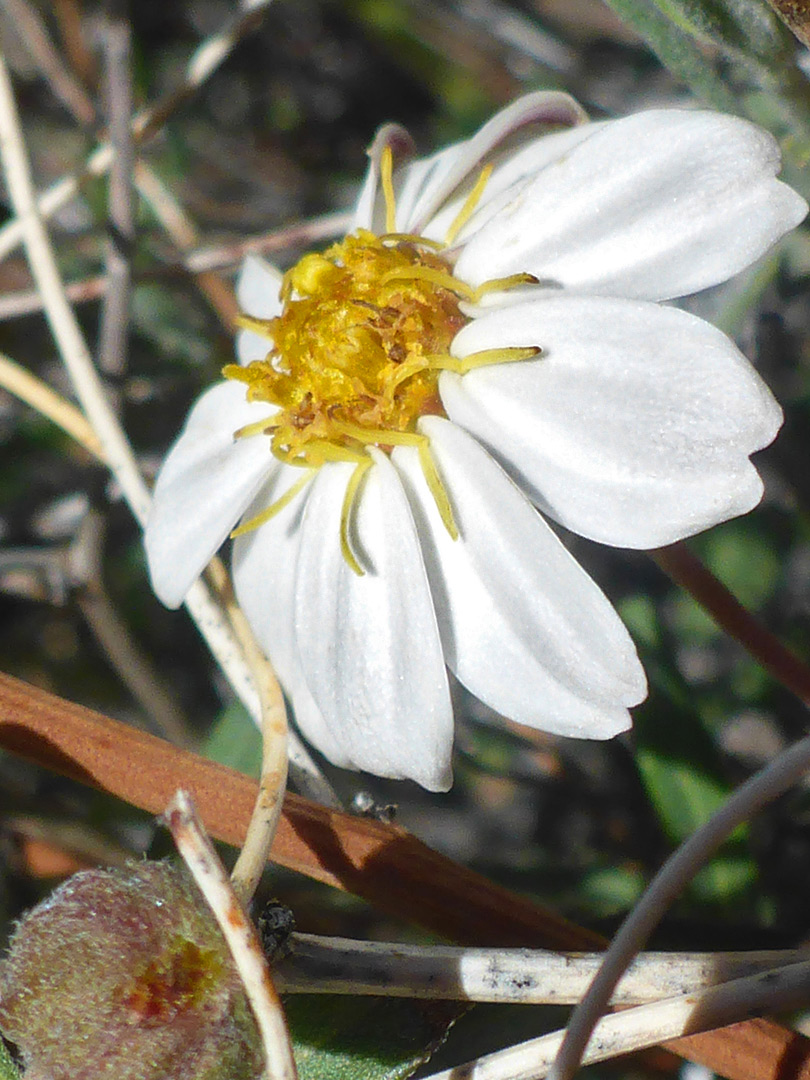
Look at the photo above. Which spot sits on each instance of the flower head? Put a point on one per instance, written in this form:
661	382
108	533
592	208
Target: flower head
489	340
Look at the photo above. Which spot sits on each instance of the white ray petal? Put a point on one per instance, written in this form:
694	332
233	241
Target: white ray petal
523	626
205	484
653	206
634	425
511	173
264	562
369	213
369	646
521	121
258	292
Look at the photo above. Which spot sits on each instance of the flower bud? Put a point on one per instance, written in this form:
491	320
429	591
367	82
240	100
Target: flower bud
125	974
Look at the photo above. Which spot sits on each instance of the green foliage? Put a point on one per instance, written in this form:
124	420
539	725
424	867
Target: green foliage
745	561
235	741
677	49
741	28
734	55
611	890
364	1038
8	1070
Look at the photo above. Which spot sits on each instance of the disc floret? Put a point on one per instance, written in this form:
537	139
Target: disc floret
357	349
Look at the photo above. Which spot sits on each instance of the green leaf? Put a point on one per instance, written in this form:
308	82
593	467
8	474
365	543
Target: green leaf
678	762
611	890
8	1070
677	50
345	1038
743	29
745	562
684	796
235	741
724	879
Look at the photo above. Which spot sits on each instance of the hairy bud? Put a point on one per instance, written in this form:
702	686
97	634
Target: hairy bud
124	974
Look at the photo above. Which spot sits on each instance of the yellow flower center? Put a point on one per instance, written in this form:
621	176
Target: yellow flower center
354	357
356	352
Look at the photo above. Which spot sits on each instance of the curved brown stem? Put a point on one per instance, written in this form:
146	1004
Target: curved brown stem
686	570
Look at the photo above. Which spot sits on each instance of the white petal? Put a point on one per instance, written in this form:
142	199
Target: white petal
417	180
523	626
519	121
258	292
634	425
510	175
369	646
204	485
264	563
653	206
369	212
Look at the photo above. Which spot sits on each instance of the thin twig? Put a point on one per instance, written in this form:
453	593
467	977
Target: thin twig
327	965
132	665
30	27
68	15
238	931
114	329
34	392
382	863
299	234
115	449
183	233
306	775
64	326
679	869
688	571
201	65
264	820
22	302
648	1025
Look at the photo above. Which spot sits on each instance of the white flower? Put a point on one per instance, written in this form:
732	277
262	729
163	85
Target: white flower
424	415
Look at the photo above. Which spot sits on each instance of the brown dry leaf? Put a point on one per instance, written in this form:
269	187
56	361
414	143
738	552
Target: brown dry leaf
382	863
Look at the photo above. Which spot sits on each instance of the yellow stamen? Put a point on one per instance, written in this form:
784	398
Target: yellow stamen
274	508
318	452
261	427
411	238
437	488
258	326
446	362
387	178
470	203
345	514
441	278
372	437
355	355
499	284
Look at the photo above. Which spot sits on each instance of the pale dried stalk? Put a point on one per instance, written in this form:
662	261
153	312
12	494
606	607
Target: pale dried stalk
21	302
114	329
201	859
760	789
299	234
273	780
34	392
202	64
648	1025
114	447
29	25
326	965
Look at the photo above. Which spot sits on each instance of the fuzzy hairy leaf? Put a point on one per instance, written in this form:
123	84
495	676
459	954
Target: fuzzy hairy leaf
364	1038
